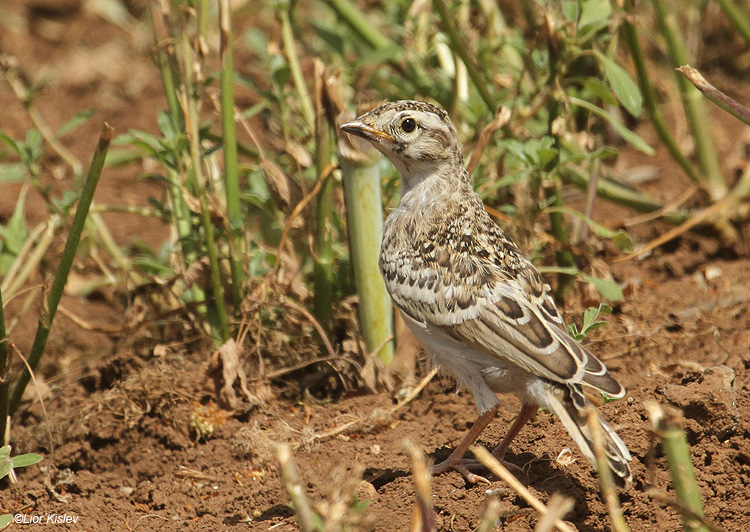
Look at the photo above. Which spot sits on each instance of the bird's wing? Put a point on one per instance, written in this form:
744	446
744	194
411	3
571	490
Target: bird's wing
501	307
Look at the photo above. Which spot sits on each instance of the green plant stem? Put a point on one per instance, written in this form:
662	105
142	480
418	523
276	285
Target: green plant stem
109	242
354	18
4	375
411	68
622	195
196	176
287	36
229	140
323	274
649	97
692	100
203	17
738	17
364	219
61	276
167	61
137	210
243	149
667	422
563	256
28	260
458	46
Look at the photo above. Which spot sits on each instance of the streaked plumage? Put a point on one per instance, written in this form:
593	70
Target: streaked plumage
467	292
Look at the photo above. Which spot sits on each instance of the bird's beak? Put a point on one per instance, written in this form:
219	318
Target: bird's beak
361	129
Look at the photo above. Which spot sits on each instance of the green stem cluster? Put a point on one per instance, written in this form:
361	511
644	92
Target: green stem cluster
712	179
324	276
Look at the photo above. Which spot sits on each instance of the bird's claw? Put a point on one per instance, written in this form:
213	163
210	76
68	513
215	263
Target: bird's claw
463	467
457	465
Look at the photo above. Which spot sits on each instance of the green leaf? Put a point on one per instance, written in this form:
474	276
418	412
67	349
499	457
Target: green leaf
591	314
166	125
623	86
600	90
152	265
33	147
79	118
594	14
5	466
5	520
4	452
546	156
629	136
607	289
257	41
382	55
623	241
330	35
620	238
10	142
570	9
280	71
116	158
25	460
14	234
12	173
575	333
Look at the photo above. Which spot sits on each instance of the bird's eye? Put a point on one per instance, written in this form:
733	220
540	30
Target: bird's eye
408	125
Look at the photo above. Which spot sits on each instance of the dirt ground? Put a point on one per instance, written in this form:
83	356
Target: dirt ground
115	432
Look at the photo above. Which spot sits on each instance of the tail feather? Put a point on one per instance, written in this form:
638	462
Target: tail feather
568	402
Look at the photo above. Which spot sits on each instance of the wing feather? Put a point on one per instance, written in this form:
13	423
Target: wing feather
510	317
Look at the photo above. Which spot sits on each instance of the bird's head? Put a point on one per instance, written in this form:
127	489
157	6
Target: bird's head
418	137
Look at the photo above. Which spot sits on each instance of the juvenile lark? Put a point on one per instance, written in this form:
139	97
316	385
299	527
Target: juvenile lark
468	294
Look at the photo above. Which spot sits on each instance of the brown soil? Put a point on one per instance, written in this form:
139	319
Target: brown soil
115	431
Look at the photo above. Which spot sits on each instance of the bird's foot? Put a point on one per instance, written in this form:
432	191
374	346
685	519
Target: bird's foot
464	467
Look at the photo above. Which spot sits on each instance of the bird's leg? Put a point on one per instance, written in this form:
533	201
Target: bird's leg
527	412
455	461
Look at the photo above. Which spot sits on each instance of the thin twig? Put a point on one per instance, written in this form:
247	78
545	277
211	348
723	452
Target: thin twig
642	218
425	512
501	119
660	496
302	310
290	478
682	228
557	508
606	479
729	104
491	463
283	371
352	424
298	209
24	96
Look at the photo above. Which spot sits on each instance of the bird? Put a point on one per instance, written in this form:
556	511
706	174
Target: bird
477	305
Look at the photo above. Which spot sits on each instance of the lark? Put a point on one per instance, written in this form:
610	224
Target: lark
472	299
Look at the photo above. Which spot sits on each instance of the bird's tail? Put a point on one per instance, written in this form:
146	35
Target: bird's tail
568	403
